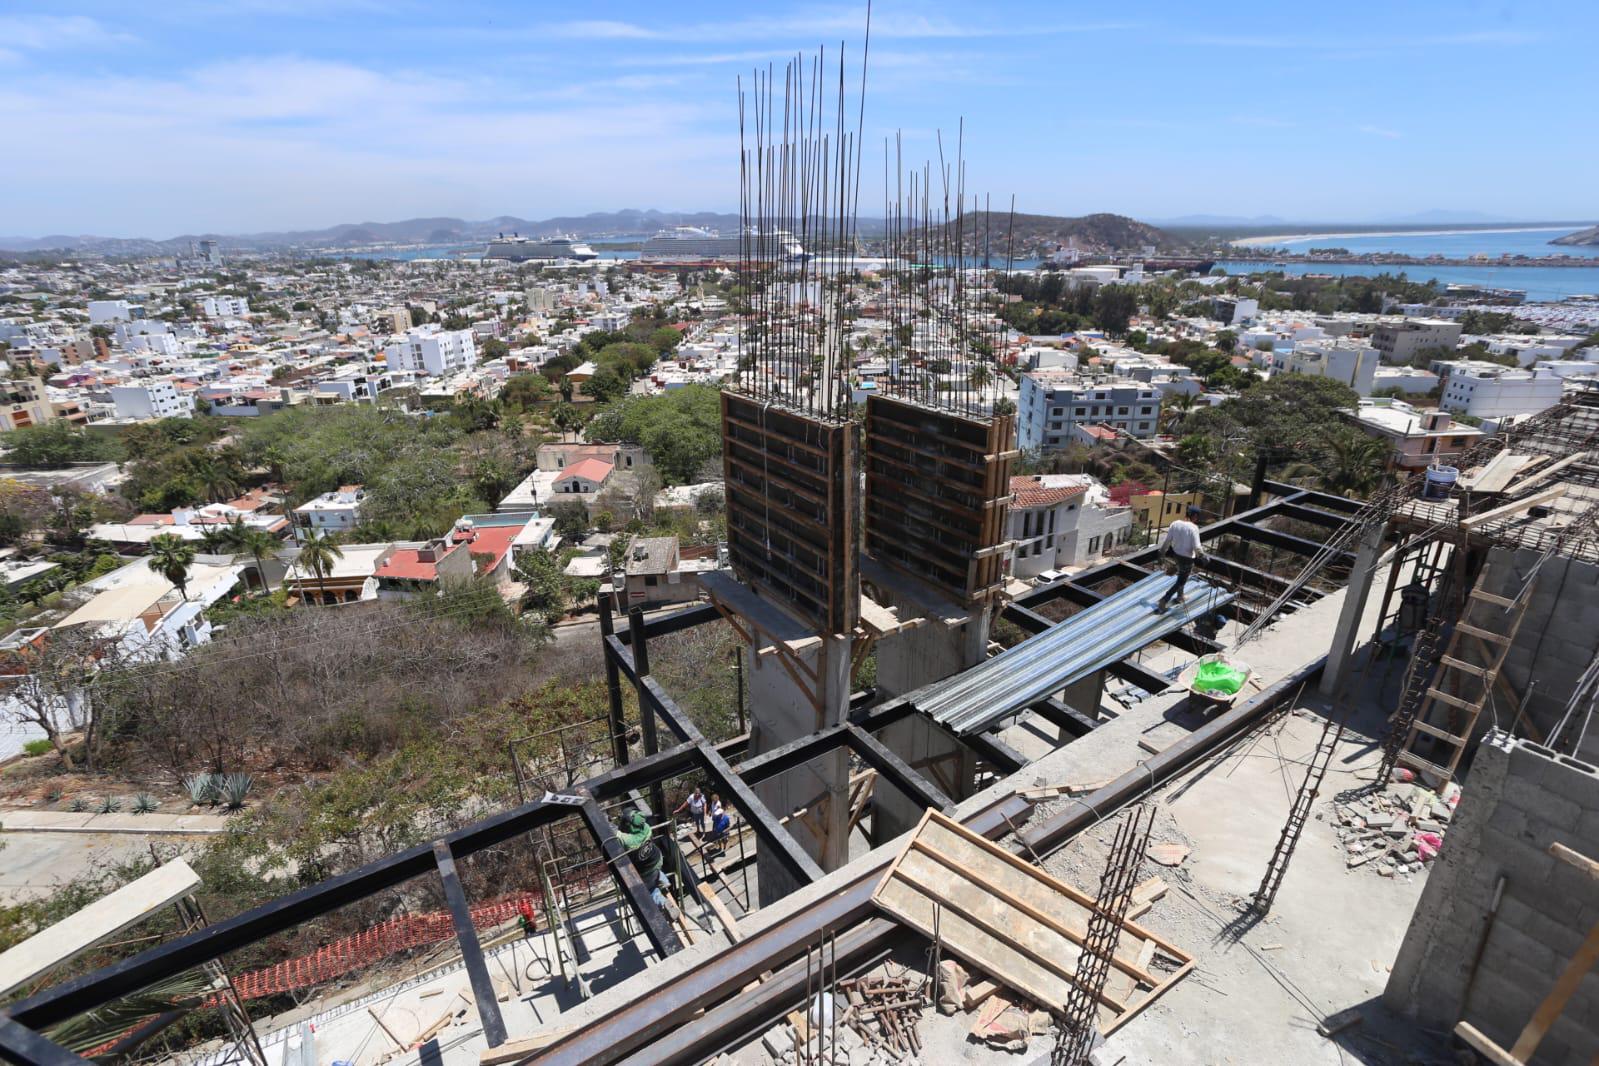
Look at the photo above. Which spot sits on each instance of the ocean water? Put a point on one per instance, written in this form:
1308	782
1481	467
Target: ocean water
1539	283
1456	244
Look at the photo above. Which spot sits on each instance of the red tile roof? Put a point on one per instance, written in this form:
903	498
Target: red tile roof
592	469
1121	495
406	564
494	542
1027	492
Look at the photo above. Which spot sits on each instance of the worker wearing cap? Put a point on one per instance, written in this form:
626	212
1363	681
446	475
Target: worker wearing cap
1182	543
633	830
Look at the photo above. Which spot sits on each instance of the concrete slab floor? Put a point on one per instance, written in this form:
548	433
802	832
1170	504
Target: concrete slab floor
1260	988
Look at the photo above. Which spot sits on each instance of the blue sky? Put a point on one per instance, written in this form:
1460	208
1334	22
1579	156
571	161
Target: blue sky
247	115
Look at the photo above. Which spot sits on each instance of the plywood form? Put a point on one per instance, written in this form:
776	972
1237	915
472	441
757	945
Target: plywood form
791	509
1018	924
937	492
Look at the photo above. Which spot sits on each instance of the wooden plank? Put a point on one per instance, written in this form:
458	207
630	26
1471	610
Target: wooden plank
1497	475
1513	508
517	1050
1489	597
1575	858
1013	921
1544	475
104	918
1555	1002
1453	701
1480	1043
723	915
1481	634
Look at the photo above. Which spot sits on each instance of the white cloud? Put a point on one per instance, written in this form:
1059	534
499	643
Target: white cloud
1381	131
291	142
827	23
45	33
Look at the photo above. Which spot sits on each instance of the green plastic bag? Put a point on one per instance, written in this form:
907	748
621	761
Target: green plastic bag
1219	677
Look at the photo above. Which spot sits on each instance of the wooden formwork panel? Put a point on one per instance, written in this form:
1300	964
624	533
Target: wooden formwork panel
937	493
1016	923
792	530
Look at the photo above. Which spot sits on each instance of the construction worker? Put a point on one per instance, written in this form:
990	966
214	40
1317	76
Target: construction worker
1182	543
633	830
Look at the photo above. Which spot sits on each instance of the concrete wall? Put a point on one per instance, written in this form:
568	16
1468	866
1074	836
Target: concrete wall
781	711
1519	799
906	661
1558	638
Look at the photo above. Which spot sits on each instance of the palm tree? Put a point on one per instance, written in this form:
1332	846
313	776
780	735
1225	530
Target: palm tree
216	477
566	418
979	377
170	556
317	552
254	541
1177	410
1353	465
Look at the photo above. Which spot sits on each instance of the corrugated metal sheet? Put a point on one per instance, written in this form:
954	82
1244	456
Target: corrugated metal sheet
1088	641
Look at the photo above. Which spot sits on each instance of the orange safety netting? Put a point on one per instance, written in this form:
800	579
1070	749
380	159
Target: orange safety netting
382	940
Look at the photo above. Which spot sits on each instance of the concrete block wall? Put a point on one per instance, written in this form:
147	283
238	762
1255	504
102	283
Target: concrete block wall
1519	799
1558	638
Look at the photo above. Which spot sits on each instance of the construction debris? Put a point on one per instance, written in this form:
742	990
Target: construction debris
1399	828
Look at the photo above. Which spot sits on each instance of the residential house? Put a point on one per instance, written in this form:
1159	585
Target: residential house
332	512
1052	402
146	615
351	578
413	566
1062	520
1418	438
657	572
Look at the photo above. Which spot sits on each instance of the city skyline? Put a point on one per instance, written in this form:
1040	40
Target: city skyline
239	118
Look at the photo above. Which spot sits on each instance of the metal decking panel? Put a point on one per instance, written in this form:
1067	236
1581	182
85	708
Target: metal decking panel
1088	641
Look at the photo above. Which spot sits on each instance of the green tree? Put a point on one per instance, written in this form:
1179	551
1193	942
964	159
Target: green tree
318	550
606	385
171	556
57	443
255	542
1114	308
540	572
524	391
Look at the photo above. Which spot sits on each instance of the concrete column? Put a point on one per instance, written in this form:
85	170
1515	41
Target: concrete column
1361	578
781	711
907	661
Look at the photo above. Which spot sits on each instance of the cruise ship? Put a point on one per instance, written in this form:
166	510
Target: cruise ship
690	244
517	248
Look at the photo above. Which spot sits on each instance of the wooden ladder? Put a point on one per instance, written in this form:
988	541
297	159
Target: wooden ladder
1457	679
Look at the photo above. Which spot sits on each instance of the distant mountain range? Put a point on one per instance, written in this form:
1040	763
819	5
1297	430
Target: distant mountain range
1099	232
440	230
1435	217
1585	236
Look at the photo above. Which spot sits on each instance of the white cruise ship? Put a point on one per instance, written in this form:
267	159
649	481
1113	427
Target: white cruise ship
690	244
517	248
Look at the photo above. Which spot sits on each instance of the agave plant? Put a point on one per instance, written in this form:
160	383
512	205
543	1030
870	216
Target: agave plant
234	788
202	789
110	805
78	805
53	794
144	803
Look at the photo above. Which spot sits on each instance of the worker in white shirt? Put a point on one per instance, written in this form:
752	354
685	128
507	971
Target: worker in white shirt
1182	543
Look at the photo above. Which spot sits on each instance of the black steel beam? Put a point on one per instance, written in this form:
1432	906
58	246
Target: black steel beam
768	831
1085	811
275	916
1301	513
641	773
23	1046
1126	669
1065	718
616	712
897	771
477	971
785	757
656	926
1320	499
637	1025
1286	541
699	1040
993	751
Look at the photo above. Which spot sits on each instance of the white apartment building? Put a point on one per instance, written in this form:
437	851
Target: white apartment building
105	311
225	306
1488	390
152	399
155	343
433	351
1348	362
331	512
1402	340
1052	402
1057	520
1235	310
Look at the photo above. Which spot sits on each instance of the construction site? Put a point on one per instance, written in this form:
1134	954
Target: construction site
1042	832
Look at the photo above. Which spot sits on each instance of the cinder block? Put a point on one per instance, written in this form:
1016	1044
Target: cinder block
1552	932
1507	818
1509	947
1538	800
1529	863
